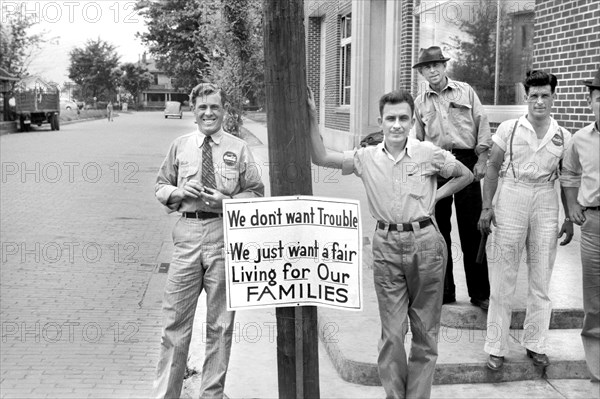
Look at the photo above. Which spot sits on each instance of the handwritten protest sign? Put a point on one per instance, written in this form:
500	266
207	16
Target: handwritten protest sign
288	251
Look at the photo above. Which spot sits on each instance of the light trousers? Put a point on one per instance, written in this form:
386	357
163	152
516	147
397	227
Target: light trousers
590	262
197	264
527	218
408	273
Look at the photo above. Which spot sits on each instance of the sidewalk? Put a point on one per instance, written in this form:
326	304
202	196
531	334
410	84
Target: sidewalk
348	344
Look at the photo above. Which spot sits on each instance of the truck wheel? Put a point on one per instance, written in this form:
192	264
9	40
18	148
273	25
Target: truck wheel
22	125
57	123
51	120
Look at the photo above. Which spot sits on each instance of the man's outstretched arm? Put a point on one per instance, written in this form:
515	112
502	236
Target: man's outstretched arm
320	155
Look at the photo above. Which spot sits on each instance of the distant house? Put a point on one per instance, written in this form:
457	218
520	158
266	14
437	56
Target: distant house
358	50
33	82
161	90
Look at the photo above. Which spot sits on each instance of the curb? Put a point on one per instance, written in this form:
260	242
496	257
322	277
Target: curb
515	369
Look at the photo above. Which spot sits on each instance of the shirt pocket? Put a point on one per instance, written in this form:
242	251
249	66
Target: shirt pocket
550	156
417	184
188	169
461	115
229	177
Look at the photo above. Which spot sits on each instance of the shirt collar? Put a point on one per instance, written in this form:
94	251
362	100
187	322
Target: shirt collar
450	84
407	149
216	137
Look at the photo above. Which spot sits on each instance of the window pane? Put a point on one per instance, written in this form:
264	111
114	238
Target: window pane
466	31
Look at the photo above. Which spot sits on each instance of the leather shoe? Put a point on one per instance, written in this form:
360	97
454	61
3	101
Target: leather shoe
495	363
482	303
539	359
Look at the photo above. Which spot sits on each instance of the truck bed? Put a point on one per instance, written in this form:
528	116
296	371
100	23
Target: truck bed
37	101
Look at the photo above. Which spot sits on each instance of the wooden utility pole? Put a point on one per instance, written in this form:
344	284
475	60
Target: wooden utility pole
290	174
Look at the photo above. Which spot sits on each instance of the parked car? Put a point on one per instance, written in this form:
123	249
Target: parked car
68	105
173	108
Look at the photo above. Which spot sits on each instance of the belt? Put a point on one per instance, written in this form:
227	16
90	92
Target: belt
403	226
592	208
201	215
468	151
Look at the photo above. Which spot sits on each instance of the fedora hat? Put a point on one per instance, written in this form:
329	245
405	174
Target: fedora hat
429	55
594	84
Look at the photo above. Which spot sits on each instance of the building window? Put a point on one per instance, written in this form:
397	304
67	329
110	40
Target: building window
494	64
345	58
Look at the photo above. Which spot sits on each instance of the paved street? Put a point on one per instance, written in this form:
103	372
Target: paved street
82	241
81	234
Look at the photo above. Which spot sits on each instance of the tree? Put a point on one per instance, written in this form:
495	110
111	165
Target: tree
95	68
135	79
475	60
174	38
17	44
235	50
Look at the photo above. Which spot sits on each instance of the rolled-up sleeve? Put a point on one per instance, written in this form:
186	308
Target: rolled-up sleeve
571	167
501	136
350	162
484	134
166	181
444	162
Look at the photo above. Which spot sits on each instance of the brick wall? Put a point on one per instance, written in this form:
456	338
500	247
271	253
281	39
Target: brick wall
406	45
567	43
330	10
313	57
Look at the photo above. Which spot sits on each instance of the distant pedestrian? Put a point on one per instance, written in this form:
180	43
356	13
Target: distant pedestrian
526	156
581	182
109	111
449	114
200	170
409	252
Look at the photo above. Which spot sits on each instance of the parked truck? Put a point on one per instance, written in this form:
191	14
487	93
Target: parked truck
37	106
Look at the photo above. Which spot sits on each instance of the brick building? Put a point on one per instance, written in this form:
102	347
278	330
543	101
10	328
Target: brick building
358	50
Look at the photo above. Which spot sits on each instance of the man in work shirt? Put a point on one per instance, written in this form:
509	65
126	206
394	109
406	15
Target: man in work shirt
526	155
581	183
200	171
409	253
449	114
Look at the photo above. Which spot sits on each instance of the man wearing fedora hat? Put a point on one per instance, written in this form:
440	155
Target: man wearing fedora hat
449	114
581	181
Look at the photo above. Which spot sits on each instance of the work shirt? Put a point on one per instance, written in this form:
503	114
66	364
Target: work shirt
236	173
452	119
533	160
400	190
581	165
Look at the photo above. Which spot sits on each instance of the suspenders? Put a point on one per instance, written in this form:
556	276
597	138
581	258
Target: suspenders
510	160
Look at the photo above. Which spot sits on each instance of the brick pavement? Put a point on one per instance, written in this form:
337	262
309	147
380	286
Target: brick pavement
81	234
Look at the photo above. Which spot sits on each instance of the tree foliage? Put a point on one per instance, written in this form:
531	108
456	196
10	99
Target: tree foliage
218	41
475	61
235	57
174	38
135	78
17	44
95	68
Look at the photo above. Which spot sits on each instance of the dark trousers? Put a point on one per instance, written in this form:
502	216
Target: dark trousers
468	208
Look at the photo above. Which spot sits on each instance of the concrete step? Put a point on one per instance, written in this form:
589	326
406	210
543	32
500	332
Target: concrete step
351	340
353	352
462	314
